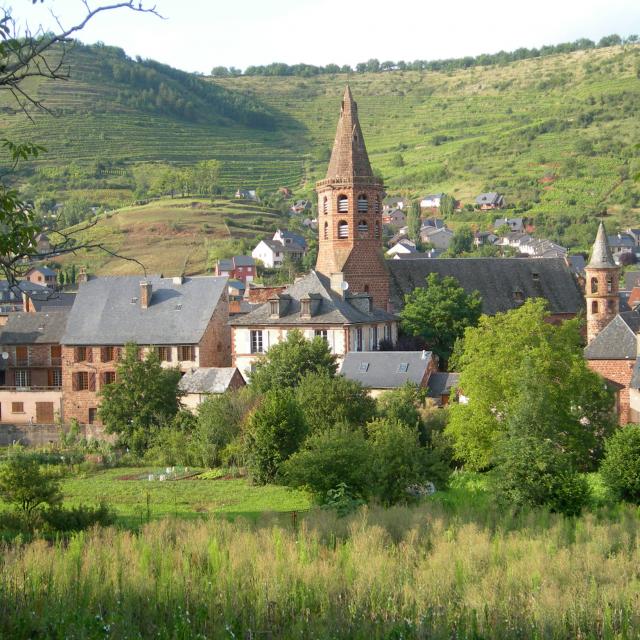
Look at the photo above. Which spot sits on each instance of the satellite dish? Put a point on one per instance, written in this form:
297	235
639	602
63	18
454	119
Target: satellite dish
5	355
344	285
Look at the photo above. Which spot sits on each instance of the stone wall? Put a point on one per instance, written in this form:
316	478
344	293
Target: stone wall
619	372
42	435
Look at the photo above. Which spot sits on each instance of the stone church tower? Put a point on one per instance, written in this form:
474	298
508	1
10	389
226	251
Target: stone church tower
602	286
350	213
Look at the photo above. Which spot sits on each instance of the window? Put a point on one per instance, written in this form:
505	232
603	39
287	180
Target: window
17	407
81	381
610	306
305	308
164	354
594	285
256	342
343	204
22	356
274	308
536	276
93	415
518	296
321	333
363	229
80	354
106	354
364	367
359	339
326	231
56	354
186	352
403	367
343	229
325	205
55	377
23	378
594	306
609	284
387	332
363	204
108	377
374	338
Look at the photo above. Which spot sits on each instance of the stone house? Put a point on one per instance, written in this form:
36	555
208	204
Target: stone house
198	384
44	276
184	319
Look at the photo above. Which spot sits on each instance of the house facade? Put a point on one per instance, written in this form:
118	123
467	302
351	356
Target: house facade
44	276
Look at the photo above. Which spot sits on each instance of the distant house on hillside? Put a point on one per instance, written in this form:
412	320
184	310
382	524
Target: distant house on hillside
621	243
482	238
439	238
402	246
491	200
515	224
42	275
237	268
272	251
394	203
431	201
300	206
394	217
247	194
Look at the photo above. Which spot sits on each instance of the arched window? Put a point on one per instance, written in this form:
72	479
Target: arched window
325	205
609	284
363	229
594	306
594	285
363	204
377	230
343	229
326	230
610	306
366	288
343	204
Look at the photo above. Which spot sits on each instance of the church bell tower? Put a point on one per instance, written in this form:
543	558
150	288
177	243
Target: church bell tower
350	213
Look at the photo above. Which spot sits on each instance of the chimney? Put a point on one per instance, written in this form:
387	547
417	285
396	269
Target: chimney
145	294
178	279
82	276
337	283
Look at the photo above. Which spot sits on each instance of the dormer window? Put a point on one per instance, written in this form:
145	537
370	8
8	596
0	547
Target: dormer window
403	367
343	229
274	308
305	307
363	204
536	276
518	296
343	204
364	367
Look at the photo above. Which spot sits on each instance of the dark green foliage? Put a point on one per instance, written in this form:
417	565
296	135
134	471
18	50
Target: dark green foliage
414	222
275	431
440	312
401	405
77	518
144	397
329	400
286	363
461	242
339	455
620	469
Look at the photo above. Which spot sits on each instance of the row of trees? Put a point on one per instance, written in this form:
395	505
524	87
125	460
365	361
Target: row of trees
374	65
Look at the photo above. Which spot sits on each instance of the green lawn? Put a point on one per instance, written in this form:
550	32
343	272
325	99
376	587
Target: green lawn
189	498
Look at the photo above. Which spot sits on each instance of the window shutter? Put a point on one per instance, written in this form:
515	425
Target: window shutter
117	352
89	354
92	381
74	380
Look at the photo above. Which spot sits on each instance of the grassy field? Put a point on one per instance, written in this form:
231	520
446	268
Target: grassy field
172	235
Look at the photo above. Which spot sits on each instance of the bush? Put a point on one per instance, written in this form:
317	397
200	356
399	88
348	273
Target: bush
274	432
534	472
78	518
328	459
620	469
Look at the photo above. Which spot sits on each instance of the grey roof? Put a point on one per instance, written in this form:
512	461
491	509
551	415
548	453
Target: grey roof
236	284
635	376
332	309
601	252
489	198
226	264
243	261
438	223
45	271
294	237
631	279
107	310
617	341
441	383
622	240
274	245
53	300
23	286
384	369
34	328
429	254
497	279
207	380
577	264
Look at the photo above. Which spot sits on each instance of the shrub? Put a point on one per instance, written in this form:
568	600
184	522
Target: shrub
534	472
274	432
78	518
328	459
620	469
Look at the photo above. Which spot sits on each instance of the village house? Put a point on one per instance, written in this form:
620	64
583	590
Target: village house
31	368
393	202
621	243
431	201
197	385
491	200
241	268
484	238
516	225
247	194
185	320
404	245
271	252
43	276
300	206
394	218
438	238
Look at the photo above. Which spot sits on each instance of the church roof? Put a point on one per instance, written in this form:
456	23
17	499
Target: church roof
349	156
503	283
601	253
617	341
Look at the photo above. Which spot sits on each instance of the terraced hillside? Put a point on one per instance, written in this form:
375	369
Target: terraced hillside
558	135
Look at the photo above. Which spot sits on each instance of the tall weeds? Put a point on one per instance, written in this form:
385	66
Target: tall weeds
397	573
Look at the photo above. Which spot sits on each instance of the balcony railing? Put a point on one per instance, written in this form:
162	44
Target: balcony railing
31	387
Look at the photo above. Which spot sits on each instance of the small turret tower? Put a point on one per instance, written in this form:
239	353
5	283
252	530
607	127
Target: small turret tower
350	213
602	286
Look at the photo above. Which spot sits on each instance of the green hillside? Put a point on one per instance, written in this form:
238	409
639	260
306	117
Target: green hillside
558	135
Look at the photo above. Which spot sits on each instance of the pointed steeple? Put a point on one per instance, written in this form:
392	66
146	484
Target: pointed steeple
349	155
601	253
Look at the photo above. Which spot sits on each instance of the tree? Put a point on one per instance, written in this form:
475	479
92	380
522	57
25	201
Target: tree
285	363
461	242
24	484
440	312
329	400
144	397
495	358
414	222
447	205
620	469
275	431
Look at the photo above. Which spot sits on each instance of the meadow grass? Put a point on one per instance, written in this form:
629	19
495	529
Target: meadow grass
418	572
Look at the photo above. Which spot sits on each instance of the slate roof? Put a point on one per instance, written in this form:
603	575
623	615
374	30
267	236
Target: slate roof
24	285
384	369
497	280
631	280
225	264
331	310
244	261
617	341
274	245
53	300
489	198
207	380
34	328
601	252
441	383
107	311
622	240
45	271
